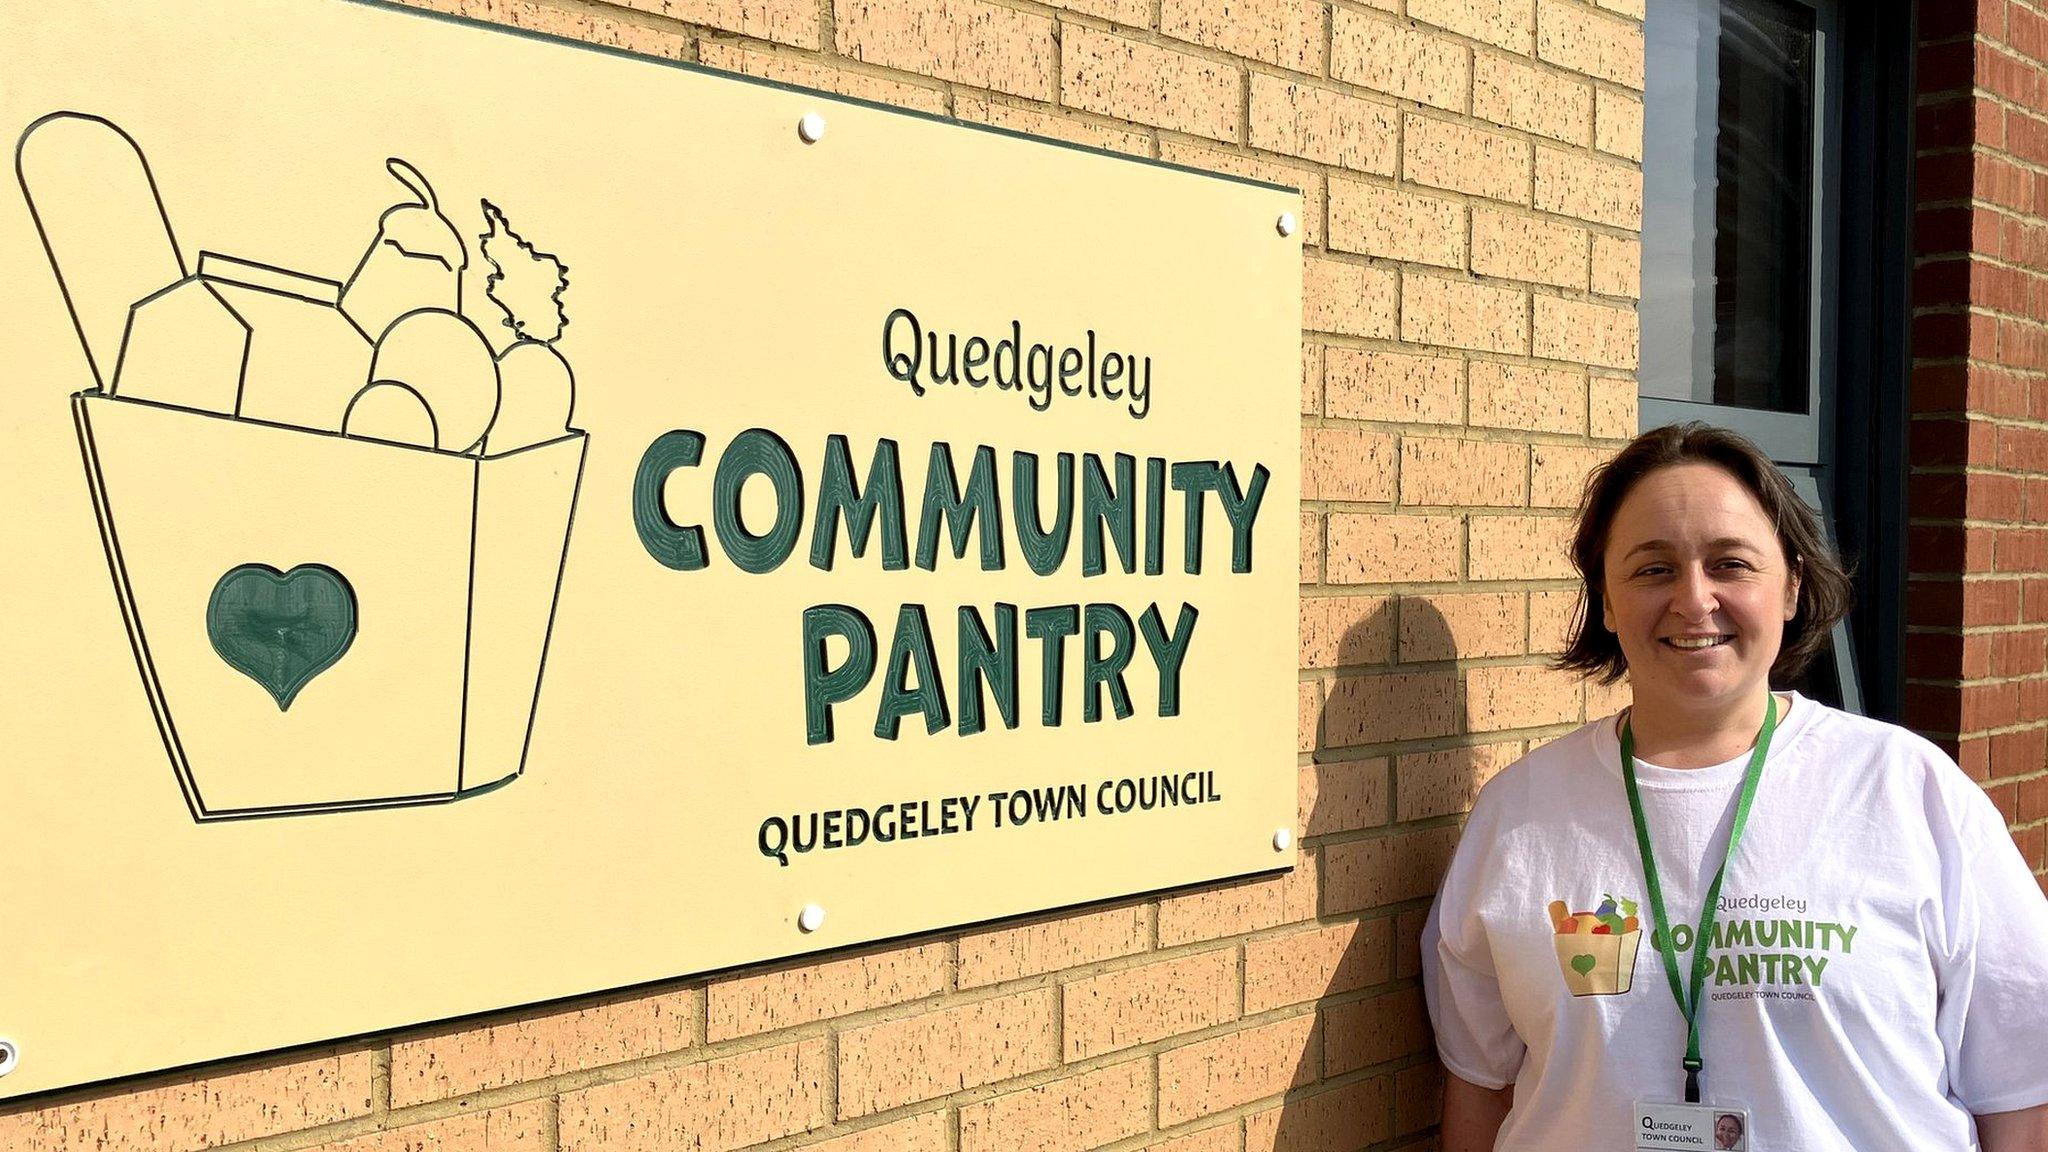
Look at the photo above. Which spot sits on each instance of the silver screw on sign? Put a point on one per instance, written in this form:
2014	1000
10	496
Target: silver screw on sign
10	1056
1286	224
1282	840
811	918
811	128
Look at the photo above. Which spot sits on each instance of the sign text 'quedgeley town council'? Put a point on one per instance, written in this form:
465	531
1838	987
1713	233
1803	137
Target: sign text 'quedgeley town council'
499	520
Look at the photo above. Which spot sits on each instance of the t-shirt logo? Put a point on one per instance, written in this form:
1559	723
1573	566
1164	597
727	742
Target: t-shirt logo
1596	951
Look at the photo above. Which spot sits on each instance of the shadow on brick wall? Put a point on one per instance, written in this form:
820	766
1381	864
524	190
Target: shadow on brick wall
1381	804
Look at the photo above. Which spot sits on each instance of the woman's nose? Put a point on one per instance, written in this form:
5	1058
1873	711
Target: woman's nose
1693	596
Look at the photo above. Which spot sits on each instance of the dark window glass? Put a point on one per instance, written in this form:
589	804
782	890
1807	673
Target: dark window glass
1728	203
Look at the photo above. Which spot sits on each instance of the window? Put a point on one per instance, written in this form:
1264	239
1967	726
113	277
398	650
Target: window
1760	283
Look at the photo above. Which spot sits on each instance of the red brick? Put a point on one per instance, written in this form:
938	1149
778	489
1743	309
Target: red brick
2018	754
1946	67
1993	497
1933	707
1991	602
1985	706
2034	798
1952	441
2021	550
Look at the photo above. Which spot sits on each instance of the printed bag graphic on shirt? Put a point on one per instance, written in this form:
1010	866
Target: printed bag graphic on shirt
1596	951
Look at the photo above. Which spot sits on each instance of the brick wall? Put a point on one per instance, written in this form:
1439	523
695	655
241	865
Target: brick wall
1977	644
1473	185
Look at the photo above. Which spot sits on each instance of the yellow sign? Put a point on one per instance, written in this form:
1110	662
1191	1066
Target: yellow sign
495	520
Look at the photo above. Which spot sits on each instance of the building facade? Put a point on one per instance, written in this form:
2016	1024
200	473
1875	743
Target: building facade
1483	321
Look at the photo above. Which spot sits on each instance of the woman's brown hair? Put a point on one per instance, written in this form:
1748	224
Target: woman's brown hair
1824	591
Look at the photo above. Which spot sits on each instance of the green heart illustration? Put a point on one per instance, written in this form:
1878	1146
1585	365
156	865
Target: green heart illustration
281	629
1583	963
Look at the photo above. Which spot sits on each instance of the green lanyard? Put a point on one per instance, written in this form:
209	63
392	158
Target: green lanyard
1690	1008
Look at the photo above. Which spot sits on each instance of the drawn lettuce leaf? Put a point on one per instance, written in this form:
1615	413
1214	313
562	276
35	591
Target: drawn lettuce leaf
524	282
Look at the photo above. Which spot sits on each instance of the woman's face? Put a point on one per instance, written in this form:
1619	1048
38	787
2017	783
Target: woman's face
1698	589
1727	1130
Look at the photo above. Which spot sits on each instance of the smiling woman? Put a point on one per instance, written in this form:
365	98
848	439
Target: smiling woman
1707	583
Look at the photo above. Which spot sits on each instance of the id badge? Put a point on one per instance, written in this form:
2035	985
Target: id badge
1662	1127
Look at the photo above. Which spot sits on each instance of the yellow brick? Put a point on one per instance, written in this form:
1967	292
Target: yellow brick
1304	966
603	30
1210	1076
1385	869
748	1005
1551	616
201	1112
978	109
1557	473
1509	24
1607	699
1085	1111
1463	314
1379	221
1346	630
1150	1002
883	1066
1526	248
804	73
1517	95
1445	782
1341	796
1618	124
792	22
518	1128
1612	400
1631	8
1395	706
1521	548
1311	548
1617	266
1309	181
1240	906
1286	33
1418	1098
1218	1138
1349	1117
925	1132
1576	37
965	41
1308	699
1349	299
1574	184
1521	696
1136	13
1585	333
1318	124
1526	398
1371	548
1460	626
1311	379
1437	470
1380	54
1370	385
530	1047
712	1105
1106	73
1465	159
1063	941
1373	1031
1346	464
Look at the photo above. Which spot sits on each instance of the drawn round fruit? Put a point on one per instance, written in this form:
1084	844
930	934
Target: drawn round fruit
537	393
390	411
441	356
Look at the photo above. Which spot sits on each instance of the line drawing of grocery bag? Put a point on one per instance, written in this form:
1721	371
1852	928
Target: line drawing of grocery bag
337	551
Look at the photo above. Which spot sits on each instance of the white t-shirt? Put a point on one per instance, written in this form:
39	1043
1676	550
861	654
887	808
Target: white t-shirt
1882	971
